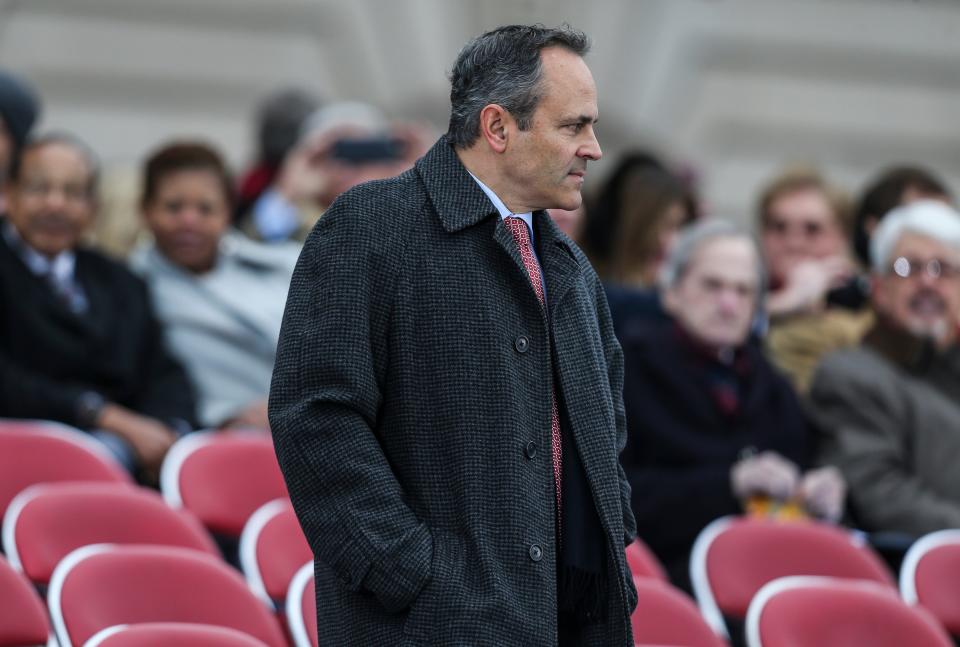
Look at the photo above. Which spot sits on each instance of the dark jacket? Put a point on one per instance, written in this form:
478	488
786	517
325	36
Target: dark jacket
410	408
682	445
49	356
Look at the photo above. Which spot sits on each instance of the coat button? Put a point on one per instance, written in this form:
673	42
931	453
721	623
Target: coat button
536	553
530	450
521	344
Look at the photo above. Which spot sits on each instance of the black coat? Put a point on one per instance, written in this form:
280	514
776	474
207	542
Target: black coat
410	409
49	355
681	445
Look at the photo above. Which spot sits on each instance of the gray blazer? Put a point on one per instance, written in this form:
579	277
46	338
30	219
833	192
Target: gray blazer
893	433
223	325
410	408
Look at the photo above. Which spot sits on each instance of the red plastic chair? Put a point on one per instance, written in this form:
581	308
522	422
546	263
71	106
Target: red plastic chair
46	522
103	585
33	451
272	550
23	618
930	577
666	616
734	557
222	477
172	633
643	563
822	611
302	608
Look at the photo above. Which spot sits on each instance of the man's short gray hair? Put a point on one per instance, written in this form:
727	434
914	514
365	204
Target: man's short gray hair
503	66
931	218
695	237
66	139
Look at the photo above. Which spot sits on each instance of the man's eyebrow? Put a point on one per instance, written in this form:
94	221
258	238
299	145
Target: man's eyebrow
581	119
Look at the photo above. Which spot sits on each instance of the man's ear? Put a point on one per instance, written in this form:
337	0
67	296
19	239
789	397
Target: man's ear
495	125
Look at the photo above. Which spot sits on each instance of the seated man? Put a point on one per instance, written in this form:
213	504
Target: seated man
219	295
714	429
79	342
890	408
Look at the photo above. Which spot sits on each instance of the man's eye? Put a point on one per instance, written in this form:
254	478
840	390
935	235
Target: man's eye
575	127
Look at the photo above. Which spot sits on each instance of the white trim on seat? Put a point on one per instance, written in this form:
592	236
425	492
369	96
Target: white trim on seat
294	610
249	539
97	639
781	584
69	434
173	462
10	519
54	592
916	552
700	579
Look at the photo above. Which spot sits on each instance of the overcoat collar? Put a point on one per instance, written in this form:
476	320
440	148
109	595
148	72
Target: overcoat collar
460	203
458	200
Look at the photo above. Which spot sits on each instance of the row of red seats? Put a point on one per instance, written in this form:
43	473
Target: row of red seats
800	585
227	482
60	492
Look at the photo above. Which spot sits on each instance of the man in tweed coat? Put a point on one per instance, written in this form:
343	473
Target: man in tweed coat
449	442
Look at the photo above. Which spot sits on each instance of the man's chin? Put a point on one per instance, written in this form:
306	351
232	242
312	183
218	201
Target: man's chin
937	330
570	202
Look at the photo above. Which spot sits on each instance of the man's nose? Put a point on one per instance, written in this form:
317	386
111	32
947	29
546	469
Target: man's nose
926	279
728	301
591	150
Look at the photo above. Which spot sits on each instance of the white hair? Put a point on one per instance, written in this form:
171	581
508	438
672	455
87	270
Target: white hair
343	113
930	218
695	236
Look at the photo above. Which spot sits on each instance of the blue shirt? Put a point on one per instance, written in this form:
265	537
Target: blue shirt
526	217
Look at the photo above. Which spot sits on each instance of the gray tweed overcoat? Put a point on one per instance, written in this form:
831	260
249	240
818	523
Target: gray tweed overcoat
410	409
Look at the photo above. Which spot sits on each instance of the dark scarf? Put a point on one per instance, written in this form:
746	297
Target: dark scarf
582	592
725	371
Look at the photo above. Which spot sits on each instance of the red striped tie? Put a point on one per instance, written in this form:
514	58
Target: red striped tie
521	234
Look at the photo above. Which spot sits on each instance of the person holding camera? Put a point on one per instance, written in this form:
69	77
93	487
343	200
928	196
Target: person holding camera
340	145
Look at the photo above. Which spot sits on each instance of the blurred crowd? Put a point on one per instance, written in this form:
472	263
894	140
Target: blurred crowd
804	366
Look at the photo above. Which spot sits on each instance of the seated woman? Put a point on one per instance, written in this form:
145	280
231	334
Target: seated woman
817	297
630	229
712	425
220	295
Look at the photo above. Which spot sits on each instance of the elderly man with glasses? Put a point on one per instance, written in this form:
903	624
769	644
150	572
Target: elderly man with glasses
890	409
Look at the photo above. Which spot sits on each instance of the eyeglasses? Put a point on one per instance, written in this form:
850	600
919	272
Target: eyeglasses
43	189
934	268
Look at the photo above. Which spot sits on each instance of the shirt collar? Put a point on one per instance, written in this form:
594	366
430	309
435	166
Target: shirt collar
501	207
60	267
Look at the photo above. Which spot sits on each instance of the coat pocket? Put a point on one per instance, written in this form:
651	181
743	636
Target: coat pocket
438	598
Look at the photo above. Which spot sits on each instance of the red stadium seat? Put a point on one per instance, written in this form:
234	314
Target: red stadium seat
23	618
46	522
34	451
643	563
172	633
103	585
302	608
930	577
822	611
222	477
666	616
272	549
734	557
